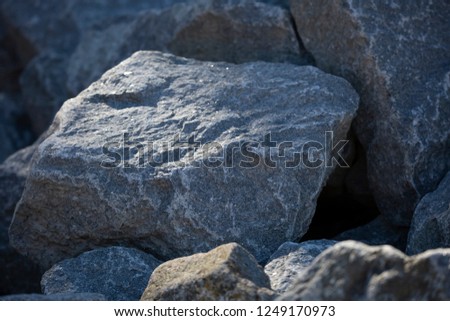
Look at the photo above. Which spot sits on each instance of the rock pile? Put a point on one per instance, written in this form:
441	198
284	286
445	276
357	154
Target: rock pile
224	150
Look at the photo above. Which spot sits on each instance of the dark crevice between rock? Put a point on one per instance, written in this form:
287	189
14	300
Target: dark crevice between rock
308	57
346	201
335	215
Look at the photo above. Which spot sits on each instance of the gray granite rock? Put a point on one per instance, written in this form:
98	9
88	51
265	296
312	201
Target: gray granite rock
226	273
377	232
430	226
290	260
214	30
355	271
208	179
17	273
54	297
397	56
118	273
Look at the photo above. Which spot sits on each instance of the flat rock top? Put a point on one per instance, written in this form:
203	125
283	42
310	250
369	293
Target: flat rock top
155	96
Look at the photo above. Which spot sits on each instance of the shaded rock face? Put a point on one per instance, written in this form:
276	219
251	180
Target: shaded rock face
290	260
430	226
43	35
232	31
397	56
227	272
89	37
54	297
377	232
9	65
354	271
118	273
103	188
214	30
37	26
12	136
17	273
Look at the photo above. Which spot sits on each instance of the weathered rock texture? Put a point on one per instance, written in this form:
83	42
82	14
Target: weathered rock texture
118	273
228	272
354	271
17	273
54	297
290	260
397	55
83	194
430	226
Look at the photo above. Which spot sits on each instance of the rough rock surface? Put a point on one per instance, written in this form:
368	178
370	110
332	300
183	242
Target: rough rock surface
355	271
290	260
17	273
377	232
118	273
172	199
54	297
430	226
227	272
397	56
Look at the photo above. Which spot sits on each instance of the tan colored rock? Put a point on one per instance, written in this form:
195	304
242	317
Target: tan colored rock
227	272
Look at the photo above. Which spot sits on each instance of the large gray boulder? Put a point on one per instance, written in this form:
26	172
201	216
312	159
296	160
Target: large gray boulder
290	260
355	271
226	273
397	56
430	226
172	155
118	273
